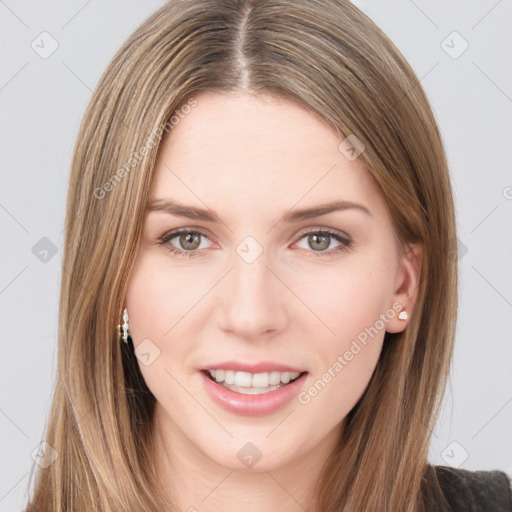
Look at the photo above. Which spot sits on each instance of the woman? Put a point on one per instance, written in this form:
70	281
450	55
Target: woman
260	288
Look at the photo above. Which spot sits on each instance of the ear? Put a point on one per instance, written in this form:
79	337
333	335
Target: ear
406	286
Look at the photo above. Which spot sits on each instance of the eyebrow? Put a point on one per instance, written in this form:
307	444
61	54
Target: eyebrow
191	212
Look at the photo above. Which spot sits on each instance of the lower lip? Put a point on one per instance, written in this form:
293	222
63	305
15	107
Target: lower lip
252	405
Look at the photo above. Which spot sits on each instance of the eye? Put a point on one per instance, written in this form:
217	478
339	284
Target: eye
189	244
319	241
188	241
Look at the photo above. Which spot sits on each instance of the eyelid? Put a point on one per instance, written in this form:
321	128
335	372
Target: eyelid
168	235
311	229
344	239
323	229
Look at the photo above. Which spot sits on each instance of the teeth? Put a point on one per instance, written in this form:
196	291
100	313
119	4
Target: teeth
274	378
252	380
243	380
251	391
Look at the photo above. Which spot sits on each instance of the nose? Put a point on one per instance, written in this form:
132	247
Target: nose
253	300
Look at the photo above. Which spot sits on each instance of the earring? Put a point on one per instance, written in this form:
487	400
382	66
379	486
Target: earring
124	327
402	315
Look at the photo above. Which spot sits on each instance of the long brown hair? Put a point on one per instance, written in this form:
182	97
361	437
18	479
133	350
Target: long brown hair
331	59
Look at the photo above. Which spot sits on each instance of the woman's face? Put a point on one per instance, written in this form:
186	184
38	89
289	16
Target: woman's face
254	289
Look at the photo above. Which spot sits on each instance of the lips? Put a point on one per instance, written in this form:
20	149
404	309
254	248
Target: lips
251	401
252	389
262	367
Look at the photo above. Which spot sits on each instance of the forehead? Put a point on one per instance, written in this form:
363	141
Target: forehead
253	151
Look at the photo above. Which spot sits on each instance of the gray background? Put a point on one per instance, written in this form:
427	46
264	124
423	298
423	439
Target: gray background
43	100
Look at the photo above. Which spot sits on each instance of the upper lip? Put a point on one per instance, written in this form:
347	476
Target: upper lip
261	367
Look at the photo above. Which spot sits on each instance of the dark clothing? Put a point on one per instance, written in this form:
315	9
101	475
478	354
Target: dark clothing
473	491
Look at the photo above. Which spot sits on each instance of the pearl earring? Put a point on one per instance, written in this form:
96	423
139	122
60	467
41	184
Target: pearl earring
402	315
124	328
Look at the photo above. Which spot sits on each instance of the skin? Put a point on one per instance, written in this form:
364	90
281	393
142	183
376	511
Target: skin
251	159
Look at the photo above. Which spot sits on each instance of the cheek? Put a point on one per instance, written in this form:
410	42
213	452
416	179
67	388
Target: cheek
346	302
349	338
149	300
160	300
344	361
158	297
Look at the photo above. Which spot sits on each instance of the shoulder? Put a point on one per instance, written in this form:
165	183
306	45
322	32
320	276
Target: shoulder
475	491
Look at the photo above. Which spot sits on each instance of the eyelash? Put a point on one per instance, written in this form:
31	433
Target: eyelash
167	237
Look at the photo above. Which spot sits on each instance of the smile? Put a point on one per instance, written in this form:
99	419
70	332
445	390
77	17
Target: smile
252	383
252	394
